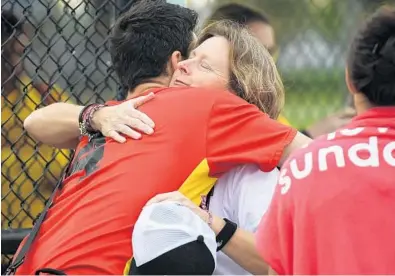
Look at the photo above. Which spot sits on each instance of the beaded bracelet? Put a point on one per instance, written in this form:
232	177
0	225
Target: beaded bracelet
89	118
85	118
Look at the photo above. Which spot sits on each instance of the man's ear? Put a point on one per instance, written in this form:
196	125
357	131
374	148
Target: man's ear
350	85
176	57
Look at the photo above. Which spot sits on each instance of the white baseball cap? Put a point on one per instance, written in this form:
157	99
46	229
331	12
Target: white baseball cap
170	239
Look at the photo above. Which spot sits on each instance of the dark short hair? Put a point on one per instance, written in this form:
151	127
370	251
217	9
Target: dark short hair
238	13
144	38
371	59
10	24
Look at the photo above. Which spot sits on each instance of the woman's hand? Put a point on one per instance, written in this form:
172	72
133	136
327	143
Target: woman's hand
124	120
181	199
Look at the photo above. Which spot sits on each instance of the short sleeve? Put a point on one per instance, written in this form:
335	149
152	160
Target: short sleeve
274	237
239	133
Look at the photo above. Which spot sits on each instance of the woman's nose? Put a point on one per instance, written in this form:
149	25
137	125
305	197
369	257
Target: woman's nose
183	68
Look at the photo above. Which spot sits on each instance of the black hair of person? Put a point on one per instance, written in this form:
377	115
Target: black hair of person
144	38
371	59
10	24
239	13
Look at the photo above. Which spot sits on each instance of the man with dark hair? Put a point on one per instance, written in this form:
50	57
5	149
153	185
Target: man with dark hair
95	238
165	33
131	37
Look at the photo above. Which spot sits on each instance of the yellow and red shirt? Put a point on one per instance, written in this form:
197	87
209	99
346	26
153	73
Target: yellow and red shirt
333	210
199	135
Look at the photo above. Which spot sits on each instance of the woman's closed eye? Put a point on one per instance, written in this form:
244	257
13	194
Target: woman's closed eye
206	66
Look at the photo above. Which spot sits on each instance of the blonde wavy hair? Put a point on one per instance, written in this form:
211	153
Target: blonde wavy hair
253	73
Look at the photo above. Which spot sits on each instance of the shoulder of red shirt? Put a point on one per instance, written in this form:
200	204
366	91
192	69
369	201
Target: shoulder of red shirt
212	92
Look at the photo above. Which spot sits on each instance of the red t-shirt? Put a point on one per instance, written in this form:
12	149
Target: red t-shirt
199	135
333	211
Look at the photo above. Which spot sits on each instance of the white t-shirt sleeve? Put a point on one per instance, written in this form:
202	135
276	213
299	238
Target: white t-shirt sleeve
249	192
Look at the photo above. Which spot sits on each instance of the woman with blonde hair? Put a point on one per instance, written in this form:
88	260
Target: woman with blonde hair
227	57
242	62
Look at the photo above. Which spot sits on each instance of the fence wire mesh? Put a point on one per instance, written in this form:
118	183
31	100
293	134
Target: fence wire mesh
51	51
57	50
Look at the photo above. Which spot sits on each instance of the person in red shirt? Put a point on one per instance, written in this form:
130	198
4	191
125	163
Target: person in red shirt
200	133
333	209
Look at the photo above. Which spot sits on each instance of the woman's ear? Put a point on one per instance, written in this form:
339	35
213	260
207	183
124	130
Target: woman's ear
176	57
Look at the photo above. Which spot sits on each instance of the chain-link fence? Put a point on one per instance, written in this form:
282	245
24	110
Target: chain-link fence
52	51
56	50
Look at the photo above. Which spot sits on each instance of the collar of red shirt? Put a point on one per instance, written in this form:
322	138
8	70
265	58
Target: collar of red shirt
386	114
377	112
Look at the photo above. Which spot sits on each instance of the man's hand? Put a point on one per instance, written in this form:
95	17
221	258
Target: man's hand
124	119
